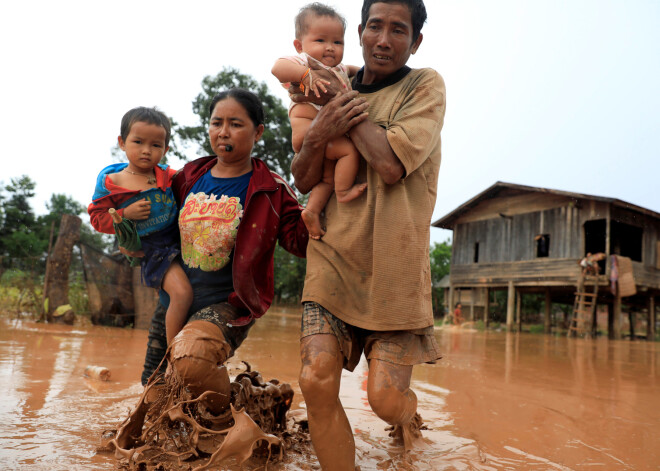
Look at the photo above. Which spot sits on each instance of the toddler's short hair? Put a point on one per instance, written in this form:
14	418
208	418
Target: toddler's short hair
317	9
142	114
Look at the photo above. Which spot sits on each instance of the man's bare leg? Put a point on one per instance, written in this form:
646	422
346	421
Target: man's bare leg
393	401
320	378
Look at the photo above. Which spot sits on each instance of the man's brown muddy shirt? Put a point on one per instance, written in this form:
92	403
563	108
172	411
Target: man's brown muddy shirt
371	269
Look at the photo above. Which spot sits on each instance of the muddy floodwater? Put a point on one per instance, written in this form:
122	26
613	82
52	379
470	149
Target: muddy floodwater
496	401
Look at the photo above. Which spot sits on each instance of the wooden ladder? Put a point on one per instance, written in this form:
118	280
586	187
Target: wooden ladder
584	308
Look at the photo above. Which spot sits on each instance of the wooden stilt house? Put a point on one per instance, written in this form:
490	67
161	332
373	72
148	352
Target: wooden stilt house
526	239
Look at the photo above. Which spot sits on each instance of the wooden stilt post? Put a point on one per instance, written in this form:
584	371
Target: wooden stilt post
632	315
547	325
616	324
486	306
450	302
510	306
519	311
473	292
650	325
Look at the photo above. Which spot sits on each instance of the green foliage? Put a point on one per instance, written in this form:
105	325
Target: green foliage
19	232
274	148
289	276
20	292
440	261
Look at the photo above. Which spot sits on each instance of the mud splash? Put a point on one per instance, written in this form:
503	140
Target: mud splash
171	430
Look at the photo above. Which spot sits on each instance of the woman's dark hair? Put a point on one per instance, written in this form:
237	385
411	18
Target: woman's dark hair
417	13
246	98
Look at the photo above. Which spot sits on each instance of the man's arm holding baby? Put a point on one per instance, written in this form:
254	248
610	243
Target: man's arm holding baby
335	119
371	141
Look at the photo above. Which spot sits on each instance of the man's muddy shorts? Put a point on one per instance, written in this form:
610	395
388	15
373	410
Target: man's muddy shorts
401	347
223	315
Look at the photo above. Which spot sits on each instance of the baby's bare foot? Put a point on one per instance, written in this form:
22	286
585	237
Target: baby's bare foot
344	196
313	223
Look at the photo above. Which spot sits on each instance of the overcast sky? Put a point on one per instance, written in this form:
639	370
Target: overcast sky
559	94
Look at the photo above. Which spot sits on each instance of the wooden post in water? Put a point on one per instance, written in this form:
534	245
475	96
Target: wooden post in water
486	307
450	301
632	317
510	306
547	325
519	311
59	262
650	324
616	324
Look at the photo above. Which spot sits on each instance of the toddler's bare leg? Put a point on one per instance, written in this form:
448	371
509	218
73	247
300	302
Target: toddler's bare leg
348	162
176	284
318	198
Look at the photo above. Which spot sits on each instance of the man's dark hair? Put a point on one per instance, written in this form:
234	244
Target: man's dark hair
248	100
417	13
317	9
143	114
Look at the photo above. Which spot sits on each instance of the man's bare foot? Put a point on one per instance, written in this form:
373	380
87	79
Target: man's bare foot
344	196
409	435
313	223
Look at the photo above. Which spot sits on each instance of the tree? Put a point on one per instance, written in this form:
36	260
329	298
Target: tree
19	235
440	262
274	148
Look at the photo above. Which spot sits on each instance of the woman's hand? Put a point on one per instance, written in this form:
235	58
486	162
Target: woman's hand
139	210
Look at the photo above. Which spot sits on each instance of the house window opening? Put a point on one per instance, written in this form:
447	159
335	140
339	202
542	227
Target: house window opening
626	240
542	245
476	252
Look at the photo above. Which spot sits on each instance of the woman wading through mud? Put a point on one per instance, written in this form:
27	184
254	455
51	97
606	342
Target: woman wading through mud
232	212
233	209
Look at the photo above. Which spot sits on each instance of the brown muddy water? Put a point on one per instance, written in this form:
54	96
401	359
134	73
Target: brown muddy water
496	401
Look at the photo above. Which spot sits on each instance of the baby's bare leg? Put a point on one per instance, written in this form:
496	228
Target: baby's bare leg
318	198
301	117
348	162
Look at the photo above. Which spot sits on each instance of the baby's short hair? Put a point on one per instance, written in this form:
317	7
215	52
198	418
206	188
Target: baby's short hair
317	9
142	114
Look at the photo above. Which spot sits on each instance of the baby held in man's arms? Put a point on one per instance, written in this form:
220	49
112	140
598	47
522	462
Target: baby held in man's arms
320	37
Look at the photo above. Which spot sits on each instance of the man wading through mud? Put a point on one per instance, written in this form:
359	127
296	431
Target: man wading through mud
368	286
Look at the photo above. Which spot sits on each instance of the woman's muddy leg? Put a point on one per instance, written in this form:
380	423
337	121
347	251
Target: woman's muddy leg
392	400
197	355
320	378
156	344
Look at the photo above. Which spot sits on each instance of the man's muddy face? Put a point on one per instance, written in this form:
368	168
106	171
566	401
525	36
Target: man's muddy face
386	40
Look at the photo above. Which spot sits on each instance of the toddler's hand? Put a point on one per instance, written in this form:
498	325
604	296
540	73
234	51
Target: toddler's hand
139	210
